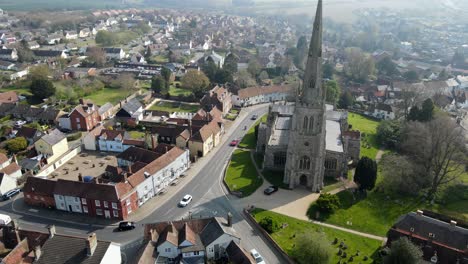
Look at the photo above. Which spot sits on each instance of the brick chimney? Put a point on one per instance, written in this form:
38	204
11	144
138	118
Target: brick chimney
82	101
229	219
91	244
419	212
51	229
80	178
453	223
37	252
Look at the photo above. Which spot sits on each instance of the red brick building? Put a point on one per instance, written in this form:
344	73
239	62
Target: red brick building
39	192
85	116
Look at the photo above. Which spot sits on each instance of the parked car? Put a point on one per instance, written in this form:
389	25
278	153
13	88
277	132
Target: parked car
4	219
270	190
10	193
234	143
258	258
186	200
124	226
254	117
20	123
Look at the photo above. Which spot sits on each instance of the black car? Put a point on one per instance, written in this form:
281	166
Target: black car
124	226
9	194
270	190
254	117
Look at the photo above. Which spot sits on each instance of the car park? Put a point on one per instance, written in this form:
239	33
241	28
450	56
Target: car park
270	190
8	195
257	257
186	200
124	226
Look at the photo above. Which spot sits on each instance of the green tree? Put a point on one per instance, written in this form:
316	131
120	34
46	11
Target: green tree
230	63
427	111
223	76
389	133
195	81
254	68
143	28
328	203
387	67
411	76
158	85
42	88
346	100
244	79
269	224
17	144
263	76
311	248
25	54
332	92
193	23
360	66
167	75
328	71
414	113
366	174
210	69
106	38
40	72
403	251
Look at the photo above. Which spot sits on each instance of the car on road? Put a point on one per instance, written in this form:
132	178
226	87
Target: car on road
254	117
124	226
258	258
8	195
234	142
20	123
270	190
186	200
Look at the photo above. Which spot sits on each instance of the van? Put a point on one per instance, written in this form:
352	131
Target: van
4	219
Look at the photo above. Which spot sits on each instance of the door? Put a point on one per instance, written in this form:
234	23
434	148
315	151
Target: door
106	213
216	251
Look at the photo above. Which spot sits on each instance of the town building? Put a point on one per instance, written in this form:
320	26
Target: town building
218	97
52	145
84	116
441	239
262	94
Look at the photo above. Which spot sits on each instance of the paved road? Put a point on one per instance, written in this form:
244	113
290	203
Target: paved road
209	200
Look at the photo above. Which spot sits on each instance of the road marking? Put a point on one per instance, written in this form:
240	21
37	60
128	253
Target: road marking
33	210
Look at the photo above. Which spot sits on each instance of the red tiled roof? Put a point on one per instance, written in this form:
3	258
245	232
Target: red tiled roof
10	169
9	97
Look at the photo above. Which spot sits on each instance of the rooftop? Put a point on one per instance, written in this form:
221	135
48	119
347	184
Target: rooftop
333	136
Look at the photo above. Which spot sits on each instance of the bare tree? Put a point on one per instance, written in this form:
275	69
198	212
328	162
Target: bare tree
97	56
125	81
438	150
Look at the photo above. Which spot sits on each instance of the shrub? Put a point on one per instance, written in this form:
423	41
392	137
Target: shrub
269	224
327	203
16	144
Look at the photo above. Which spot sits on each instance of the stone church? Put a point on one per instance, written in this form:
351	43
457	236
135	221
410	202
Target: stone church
308	139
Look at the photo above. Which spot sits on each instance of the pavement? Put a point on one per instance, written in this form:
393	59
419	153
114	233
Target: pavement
203	182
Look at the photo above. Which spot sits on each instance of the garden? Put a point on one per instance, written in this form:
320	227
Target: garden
175	107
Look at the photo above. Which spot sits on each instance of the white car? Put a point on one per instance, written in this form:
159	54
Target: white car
186	200
20	123
258	258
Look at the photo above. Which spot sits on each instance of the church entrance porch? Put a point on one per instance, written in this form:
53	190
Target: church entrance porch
303	180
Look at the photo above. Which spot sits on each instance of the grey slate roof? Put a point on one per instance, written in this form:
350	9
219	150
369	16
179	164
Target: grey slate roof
105	108
53	137
132	106
214	230
64	249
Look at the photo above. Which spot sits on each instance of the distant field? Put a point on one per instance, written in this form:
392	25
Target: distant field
27	5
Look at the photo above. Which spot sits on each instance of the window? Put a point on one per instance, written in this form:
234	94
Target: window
432	235
106	204
330	164
114	205
115	213
59	197
77	207
196	253
83	200
304	163
77	120
99	211
77	199
129	209
311	124
167	250
279	159
127	202
305	125
97	202
412	229
85	209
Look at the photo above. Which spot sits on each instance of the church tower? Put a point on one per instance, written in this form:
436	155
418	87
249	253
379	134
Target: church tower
306	146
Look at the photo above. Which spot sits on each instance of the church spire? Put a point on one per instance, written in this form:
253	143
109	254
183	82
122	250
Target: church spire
312	92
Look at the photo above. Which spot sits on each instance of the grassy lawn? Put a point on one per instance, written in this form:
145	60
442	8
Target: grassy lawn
174	91
105	95
285	237
249	140
136	134
241	174
331	184
18	90
175	107
368	128
380	210
160	59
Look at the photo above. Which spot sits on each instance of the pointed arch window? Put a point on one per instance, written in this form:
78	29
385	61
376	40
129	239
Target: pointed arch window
311	124
312	83
305	125
304	163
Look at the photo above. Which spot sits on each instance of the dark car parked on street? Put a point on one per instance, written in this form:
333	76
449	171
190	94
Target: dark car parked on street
8	195
270	190
124	226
